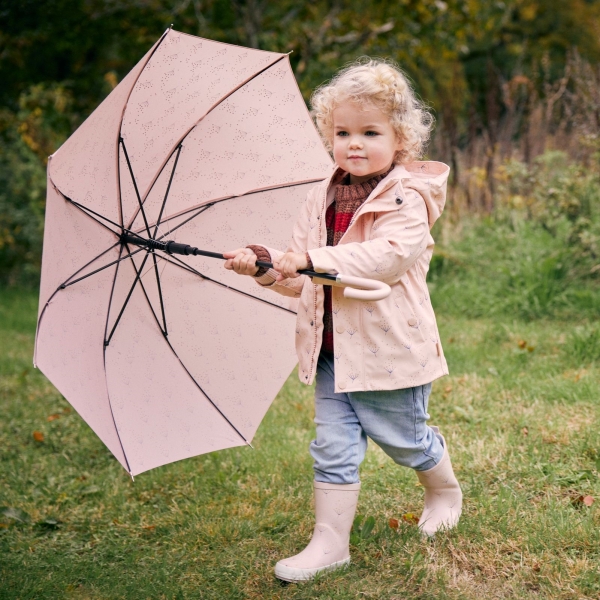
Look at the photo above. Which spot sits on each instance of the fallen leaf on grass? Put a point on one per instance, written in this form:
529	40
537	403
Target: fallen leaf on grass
579	501
530	348
393	523
525	431
150	527
53	417
522	344
410	518
38	436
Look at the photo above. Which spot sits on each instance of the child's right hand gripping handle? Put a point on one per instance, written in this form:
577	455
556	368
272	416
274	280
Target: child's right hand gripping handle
364	289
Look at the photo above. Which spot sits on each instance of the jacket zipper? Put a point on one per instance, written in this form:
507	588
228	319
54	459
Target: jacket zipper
321	214
312	358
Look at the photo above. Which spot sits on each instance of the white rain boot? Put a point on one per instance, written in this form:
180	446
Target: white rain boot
329	548
443	497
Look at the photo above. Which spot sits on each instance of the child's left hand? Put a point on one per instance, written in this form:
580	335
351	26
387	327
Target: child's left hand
289	264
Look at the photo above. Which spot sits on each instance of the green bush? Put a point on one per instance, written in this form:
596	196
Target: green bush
27	136
535	256
22	201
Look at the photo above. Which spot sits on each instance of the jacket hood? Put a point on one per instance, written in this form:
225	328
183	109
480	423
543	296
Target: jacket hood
428	178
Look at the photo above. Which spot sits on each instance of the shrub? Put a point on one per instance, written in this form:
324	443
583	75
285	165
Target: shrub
535	256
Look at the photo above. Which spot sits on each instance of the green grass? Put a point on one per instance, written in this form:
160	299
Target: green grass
491	267
521	415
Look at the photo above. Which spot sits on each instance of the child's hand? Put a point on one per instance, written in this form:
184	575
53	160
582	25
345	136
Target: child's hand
289	264
242	261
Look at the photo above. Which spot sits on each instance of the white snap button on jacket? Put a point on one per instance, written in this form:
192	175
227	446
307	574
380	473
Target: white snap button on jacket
412	321
340	329
342	386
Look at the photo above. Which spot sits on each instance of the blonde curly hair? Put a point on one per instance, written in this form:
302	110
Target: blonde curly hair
381	84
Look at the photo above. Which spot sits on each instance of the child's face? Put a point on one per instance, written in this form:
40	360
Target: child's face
364	141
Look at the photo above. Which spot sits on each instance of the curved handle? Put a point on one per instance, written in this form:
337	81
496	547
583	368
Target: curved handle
370	289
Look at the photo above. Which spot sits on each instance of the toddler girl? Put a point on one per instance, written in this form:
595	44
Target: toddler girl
374	362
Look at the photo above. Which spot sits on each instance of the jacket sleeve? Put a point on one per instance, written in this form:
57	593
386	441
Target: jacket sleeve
291	286
398	237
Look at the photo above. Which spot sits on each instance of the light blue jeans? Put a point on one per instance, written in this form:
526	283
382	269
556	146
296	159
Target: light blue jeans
395	420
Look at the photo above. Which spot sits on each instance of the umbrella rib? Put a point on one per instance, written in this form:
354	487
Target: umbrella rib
163	331
137	278
87	211
162	208
205	394
251	193
112	414
200	211
62	287
112	289
137	193
185	368
114	262
205	207
160	41
213	107
185	266
162	305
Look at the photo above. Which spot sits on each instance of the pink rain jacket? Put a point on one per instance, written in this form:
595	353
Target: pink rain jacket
393	343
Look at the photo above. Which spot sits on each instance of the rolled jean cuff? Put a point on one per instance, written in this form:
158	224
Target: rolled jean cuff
350	487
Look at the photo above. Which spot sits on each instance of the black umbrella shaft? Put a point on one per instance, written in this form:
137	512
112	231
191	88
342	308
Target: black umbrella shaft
171	247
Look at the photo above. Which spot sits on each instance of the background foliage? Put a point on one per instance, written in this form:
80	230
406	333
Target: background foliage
507	81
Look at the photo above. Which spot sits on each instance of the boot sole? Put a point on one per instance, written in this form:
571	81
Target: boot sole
293	574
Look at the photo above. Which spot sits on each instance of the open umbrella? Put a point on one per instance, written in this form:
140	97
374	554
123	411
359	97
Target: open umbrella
169	356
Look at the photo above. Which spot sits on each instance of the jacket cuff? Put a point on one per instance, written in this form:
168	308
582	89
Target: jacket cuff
310	266
319	256
262	255
266	279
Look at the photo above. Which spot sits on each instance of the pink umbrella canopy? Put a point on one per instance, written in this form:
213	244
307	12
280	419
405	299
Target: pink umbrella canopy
167	357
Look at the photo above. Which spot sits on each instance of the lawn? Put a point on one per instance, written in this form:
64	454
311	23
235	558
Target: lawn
521	415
